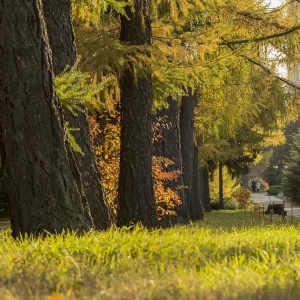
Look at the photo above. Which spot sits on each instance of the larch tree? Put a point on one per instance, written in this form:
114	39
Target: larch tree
205	193
168	145
197	213
136	195
58	18
190	161
42	181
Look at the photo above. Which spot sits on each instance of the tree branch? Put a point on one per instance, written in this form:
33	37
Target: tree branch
262	38
267	70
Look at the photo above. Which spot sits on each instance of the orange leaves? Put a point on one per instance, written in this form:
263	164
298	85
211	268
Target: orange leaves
242	196
107	149
56	297
167	199
94	128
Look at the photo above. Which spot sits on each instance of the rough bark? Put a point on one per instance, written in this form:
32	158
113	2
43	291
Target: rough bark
190	169
62	41
58	17
169	146
136	196
41	182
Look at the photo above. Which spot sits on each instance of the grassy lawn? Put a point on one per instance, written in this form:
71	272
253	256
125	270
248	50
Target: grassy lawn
227	256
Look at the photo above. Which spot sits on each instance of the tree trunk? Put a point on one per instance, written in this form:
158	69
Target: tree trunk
58	17
42	184
196	212
62	41
168	146
221	197
206	195
136	196
190	168
204	183
187	146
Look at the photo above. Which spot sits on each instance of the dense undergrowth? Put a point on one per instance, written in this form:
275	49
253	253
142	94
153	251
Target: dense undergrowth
227	256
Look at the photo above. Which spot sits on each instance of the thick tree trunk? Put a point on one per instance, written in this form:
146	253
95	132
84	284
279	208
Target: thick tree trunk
136	196
191	176
168	146
58	17
42	184
62	41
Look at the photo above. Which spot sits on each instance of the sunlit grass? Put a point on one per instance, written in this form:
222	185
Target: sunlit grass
227	256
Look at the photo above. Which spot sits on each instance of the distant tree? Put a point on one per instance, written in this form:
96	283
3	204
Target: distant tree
205	194
291	173
274	171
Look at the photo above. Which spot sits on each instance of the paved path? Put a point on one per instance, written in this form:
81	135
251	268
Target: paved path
264	199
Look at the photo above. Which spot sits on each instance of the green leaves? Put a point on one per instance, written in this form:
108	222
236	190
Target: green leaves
291	174
73	88
89	12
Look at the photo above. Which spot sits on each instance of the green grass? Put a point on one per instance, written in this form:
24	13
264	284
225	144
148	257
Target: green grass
227	256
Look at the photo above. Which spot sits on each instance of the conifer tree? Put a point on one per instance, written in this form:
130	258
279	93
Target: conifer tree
62	41
168	145
190	161
205	195
136	196
291	174
42	185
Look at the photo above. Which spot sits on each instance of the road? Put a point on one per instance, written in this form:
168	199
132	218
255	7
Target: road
264	199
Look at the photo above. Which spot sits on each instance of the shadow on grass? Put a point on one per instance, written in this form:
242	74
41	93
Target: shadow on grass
227	219
237	219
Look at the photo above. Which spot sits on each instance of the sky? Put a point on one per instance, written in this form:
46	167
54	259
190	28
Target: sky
274	3
282	71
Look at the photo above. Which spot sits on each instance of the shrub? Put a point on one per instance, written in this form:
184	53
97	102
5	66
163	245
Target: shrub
229	204
167	199
215	204
242	196
274	190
